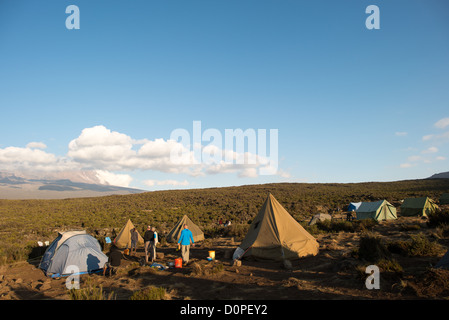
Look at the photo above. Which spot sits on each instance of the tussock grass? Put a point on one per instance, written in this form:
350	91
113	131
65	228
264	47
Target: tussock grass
150	293
91	291
417	245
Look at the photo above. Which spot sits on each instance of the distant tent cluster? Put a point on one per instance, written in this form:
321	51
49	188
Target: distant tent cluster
383	210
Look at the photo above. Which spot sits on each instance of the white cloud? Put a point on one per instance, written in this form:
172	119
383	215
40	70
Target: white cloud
401	134
110	178
284	174
36	145
440	158
152	183
15	158
442	123
106	152
248	173
427	137
430	150
414	158
406	165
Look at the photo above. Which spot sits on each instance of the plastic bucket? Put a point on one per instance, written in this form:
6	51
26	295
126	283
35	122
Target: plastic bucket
212	254
178	263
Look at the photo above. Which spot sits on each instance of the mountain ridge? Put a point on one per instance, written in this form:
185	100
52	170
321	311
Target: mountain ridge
24	186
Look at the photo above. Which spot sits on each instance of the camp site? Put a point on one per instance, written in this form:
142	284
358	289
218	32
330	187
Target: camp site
287	241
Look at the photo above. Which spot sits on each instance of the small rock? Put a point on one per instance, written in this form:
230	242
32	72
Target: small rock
288	265
45	286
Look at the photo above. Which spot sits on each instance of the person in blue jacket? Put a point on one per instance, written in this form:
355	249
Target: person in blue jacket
184	243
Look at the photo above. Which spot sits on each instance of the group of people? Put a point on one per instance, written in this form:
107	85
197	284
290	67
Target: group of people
151	240
226	224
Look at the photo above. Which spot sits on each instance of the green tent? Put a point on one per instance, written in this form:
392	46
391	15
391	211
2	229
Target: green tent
418	207
379	210
444	199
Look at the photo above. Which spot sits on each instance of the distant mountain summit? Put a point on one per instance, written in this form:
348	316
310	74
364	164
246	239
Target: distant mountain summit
442	175
61	185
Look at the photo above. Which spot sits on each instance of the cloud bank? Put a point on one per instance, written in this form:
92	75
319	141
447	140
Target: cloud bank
107	152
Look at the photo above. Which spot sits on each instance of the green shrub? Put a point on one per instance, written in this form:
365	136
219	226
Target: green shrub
372	249
90	292
418	245
149	293
335	226
438	218
389	265
421	246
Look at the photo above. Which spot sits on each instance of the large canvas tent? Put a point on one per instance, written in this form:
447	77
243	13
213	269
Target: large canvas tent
73	252
275	235
378	210
175	233
418	206
444	198
123	239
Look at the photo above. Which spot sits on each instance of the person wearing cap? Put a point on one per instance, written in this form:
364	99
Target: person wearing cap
185	239
148	237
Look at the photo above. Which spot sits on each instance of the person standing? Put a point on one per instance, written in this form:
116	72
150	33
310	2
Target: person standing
148	237
134	240
153	244
184	242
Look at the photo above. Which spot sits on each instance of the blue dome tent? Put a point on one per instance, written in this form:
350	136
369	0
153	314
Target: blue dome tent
73	248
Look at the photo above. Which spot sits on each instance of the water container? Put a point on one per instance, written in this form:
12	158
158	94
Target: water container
178	263
212	255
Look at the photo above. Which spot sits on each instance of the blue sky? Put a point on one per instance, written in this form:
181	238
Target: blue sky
350	104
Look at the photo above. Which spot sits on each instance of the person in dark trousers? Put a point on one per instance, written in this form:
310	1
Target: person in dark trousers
114	261
349	215
153	243
148	237
134	240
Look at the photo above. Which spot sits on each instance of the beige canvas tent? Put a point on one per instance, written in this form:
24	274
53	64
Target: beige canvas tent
175	233
123	239
378	210
319	218
275	235
418	207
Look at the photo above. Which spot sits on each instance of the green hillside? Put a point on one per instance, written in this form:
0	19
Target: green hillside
23	222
